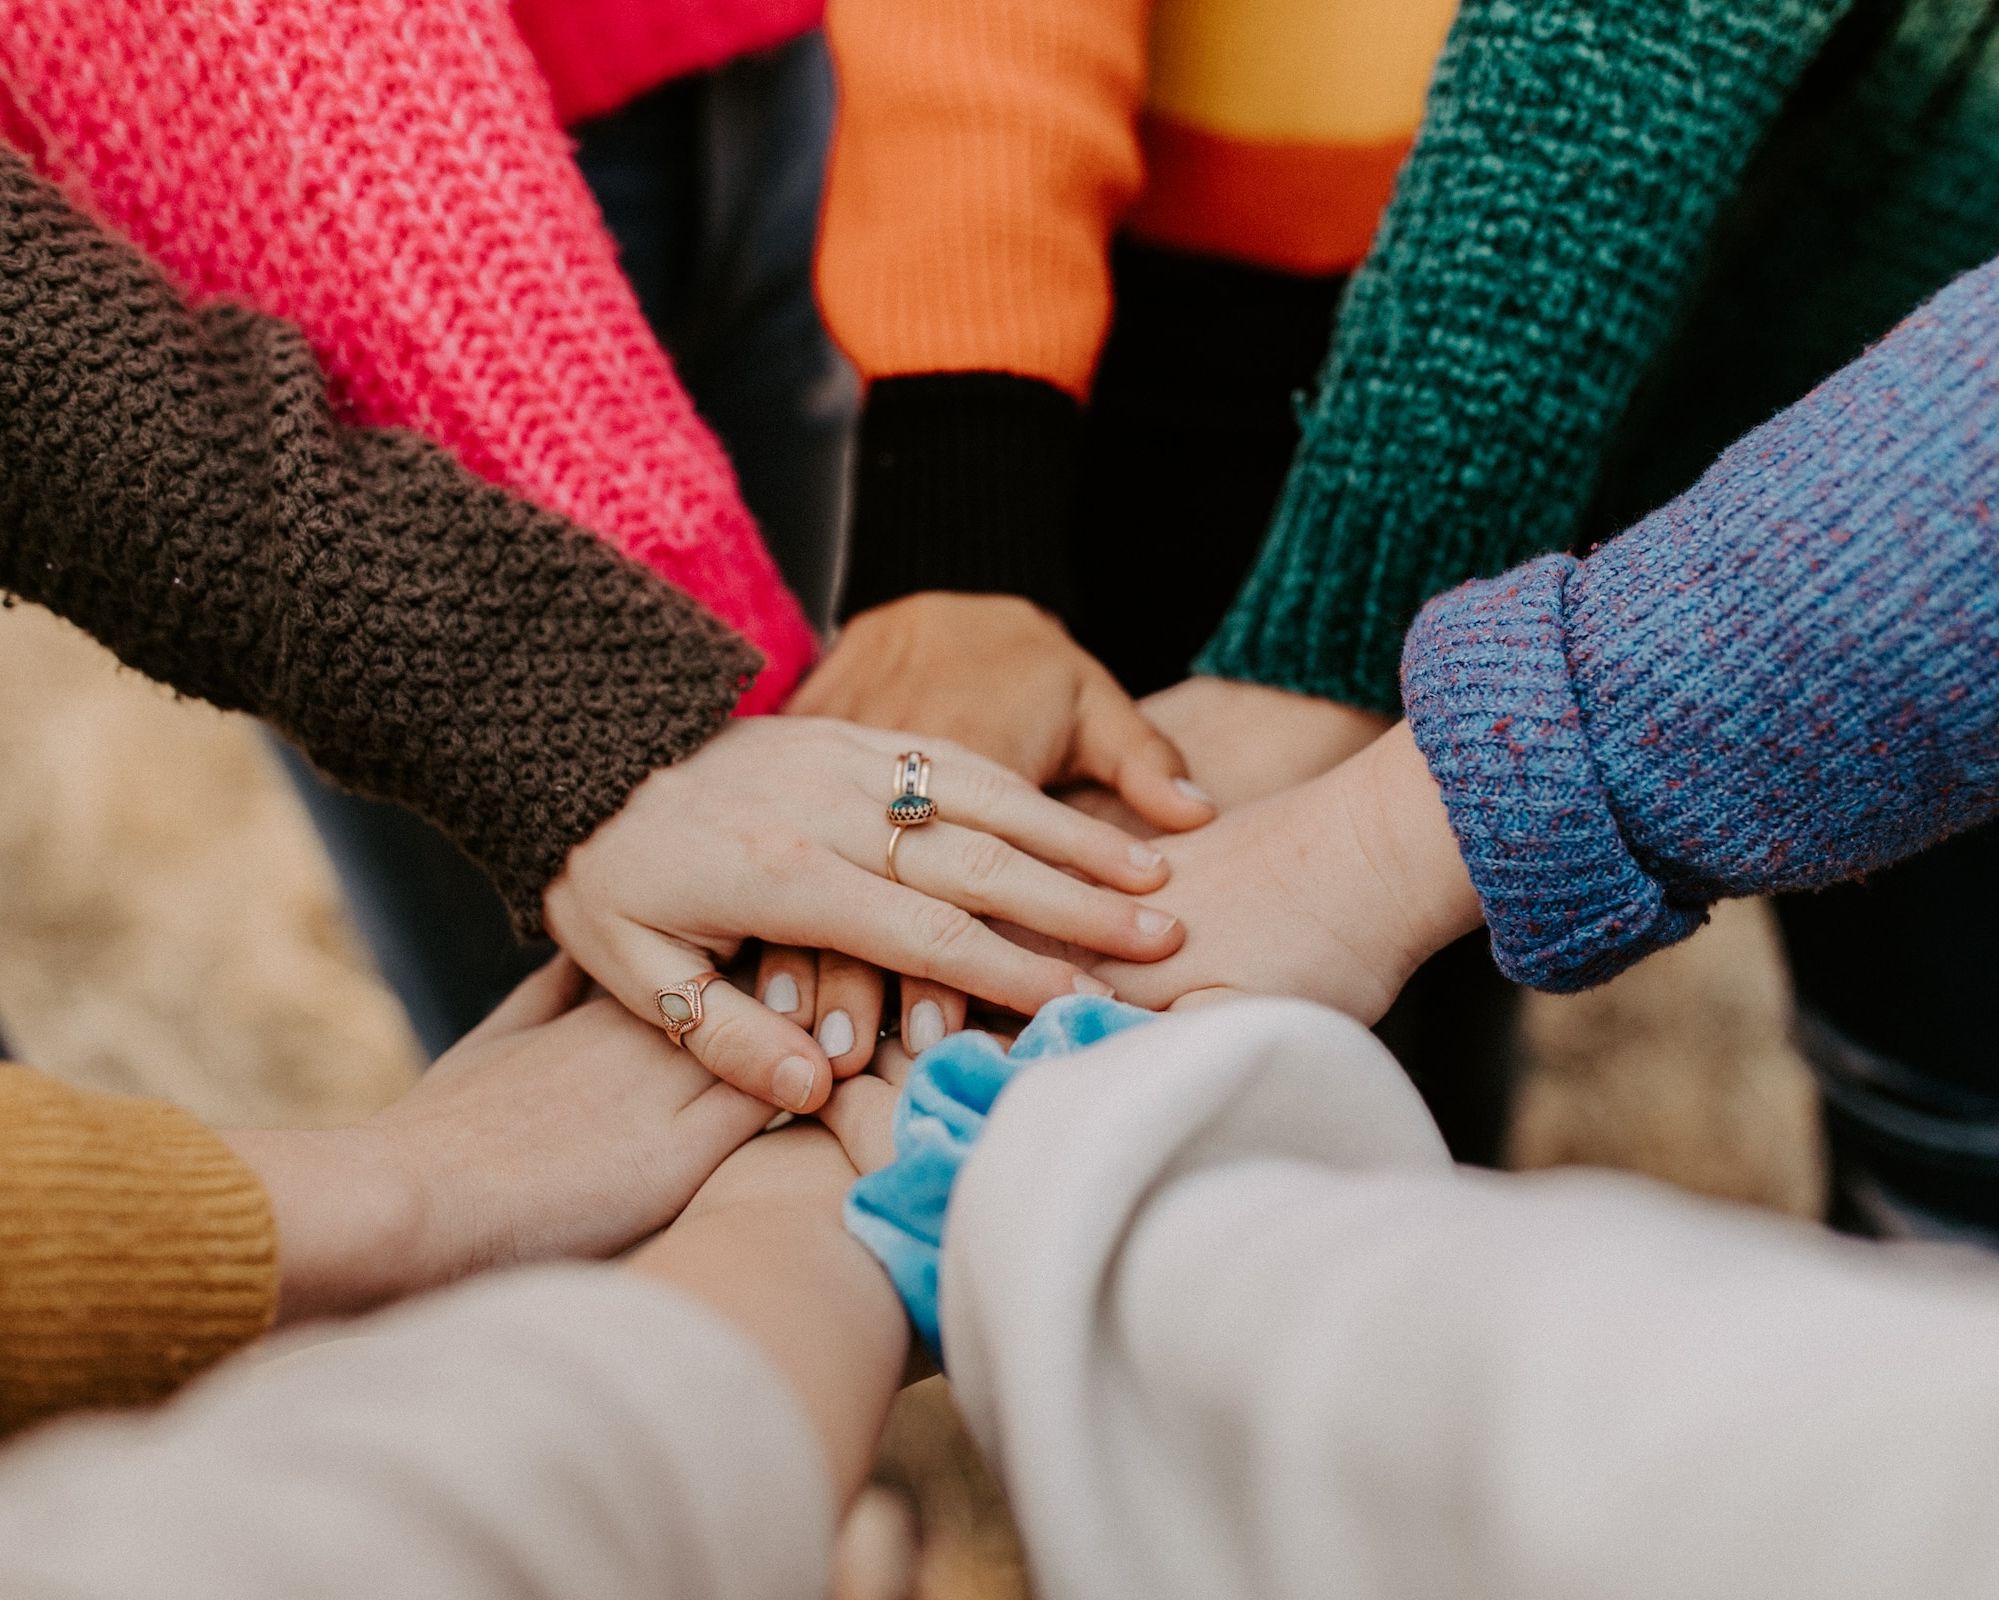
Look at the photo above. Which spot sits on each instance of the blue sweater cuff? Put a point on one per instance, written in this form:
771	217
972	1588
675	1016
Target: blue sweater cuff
899	1212
1488	693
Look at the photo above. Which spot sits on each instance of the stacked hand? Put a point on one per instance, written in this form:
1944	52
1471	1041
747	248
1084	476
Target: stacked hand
778	829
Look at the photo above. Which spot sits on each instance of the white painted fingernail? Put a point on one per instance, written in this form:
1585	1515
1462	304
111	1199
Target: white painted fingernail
781	993
926	1026
791	1084
1193	791
1144	857
1085	984
836	1033
1153	923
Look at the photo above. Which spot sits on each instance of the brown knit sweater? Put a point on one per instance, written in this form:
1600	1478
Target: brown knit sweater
174	483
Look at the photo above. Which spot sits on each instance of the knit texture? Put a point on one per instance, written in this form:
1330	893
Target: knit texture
1875	190
135	1250
964	481
176	485
1780	680
1545	236
389	175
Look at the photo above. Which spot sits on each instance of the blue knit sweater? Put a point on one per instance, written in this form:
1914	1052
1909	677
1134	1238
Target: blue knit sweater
1787	677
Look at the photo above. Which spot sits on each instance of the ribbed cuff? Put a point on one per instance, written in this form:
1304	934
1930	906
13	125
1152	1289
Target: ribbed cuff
1486	685
964	481
136	1250
1318	614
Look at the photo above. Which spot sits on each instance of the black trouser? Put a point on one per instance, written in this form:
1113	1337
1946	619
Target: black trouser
1191	430
1898	986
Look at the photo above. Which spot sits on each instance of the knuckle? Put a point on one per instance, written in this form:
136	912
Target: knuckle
946	929
983	860
728	1040
985	786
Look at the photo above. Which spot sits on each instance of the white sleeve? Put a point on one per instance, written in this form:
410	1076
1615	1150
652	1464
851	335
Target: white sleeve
563	1433
1231	1326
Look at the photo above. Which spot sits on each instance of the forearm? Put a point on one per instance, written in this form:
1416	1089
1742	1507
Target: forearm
178	487
136	1250
558	1434
1781	680
1158	1245
388	176
1586	150
765	1248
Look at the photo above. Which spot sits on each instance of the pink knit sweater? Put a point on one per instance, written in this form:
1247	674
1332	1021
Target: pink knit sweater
597	54
389	175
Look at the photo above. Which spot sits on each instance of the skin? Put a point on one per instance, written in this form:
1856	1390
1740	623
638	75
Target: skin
1334	890
776	830
763	1245
560	1127
930	662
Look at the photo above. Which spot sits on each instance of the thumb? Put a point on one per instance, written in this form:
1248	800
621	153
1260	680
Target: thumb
1116	747
540	998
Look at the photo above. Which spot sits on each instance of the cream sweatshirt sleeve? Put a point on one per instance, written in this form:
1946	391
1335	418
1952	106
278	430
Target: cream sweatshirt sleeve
1231	1325
562	1433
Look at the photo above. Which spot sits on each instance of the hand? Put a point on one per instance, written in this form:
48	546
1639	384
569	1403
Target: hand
1002	677
1244	741
553	1129
776	830
1335	891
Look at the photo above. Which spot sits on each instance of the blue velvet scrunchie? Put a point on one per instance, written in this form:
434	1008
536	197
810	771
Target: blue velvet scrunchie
899	1211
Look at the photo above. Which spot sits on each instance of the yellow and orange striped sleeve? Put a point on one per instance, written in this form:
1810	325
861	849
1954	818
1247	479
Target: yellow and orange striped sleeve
984	153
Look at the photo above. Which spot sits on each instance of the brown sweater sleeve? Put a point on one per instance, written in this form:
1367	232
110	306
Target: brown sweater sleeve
174	483
135	1249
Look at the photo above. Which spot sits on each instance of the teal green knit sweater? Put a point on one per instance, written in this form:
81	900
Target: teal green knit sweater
1629	230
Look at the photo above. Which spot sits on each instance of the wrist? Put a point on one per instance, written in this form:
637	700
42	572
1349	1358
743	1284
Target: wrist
350	1219
1400	809
764	1246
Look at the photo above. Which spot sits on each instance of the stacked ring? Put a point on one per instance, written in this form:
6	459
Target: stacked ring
910	805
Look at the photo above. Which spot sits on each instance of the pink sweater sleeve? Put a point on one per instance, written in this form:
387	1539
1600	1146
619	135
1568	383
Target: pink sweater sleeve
389	175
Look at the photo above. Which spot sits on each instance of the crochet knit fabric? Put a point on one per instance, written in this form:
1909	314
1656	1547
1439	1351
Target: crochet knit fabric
1545	235
389	176
175	485
1780	680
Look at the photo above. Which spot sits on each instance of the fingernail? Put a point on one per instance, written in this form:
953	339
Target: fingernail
836	1033
926	1026
1085	984
781	993
1153	923
1193	791
1144	857
791	1084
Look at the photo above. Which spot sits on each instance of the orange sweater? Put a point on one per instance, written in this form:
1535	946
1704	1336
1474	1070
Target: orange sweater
988	149
135	1249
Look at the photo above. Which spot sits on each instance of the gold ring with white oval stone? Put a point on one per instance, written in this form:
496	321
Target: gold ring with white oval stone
679	1005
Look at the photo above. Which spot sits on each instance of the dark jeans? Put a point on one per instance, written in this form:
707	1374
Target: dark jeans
1190	433
711	186
1898	985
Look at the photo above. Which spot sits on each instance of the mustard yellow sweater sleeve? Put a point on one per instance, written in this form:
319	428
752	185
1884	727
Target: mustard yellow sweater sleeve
135	1249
